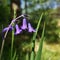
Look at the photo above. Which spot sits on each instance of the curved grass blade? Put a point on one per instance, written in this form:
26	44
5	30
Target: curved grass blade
34	38
39	53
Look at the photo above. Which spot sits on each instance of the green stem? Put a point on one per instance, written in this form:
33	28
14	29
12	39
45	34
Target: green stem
12	36
12	43
39	52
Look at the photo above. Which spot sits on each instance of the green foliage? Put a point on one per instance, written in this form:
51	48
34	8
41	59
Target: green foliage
32	55
4	14
49	53
39	52
12	42
34	38
14	56
20	43
51	32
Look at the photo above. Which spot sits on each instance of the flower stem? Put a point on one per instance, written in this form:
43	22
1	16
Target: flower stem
12	36
1	51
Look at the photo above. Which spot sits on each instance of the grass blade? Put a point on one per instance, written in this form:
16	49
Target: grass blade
32	55
39	53
34	37
38	25
14	56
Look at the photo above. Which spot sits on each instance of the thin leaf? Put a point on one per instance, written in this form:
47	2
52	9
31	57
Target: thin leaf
32	55
34	38
38	25
39	53
14	56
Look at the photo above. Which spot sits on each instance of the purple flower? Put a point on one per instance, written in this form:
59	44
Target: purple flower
30	28
24	25
9	28
18	30
5	29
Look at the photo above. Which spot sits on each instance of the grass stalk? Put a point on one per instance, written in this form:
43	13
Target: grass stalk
39	52
34	38
13	36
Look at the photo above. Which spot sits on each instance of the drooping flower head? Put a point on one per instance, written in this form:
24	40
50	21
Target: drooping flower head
9	28
18	30
24	24
5	29
30	28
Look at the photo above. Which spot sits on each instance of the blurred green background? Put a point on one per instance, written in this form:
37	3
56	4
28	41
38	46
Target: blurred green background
33	8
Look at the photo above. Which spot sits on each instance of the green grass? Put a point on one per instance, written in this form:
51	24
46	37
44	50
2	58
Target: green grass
51	52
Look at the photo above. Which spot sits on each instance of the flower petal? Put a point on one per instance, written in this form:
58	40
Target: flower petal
30	28
5	29
17	30
24	25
